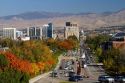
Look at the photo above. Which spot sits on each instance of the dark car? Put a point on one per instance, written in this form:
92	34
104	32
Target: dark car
72	74
54	74
75	78
105	79
119	79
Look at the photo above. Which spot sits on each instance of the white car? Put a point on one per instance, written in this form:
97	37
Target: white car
66	68
105	79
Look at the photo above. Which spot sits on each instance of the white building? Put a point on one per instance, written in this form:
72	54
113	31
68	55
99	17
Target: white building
34	32
9	33
71	29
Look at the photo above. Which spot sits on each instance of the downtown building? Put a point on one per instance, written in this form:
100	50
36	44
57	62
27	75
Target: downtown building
9	33
50	30
71	29
34	32
47	31
44	32
117	41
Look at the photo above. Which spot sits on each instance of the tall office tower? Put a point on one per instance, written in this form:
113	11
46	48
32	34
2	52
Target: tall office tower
34	32
71	29
9	33
50	30
44	31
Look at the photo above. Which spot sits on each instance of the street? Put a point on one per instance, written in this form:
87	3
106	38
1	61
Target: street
81	63
92	71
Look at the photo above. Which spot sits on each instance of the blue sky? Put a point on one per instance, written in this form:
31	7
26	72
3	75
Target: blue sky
10	7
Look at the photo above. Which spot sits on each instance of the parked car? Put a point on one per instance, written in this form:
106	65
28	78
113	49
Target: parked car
66	68
72	74
75	78
66	74
54	74
69	63
119	79
105	79
70	68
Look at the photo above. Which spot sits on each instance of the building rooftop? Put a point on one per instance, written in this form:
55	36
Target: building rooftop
119	34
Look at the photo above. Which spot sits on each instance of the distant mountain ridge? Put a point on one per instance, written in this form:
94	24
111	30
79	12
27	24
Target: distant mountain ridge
36	15
43	15
84	20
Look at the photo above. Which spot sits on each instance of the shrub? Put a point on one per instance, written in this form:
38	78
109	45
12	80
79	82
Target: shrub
3	61
13	76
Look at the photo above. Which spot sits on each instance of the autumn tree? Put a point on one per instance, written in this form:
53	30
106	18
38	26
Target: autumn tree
52	44
65	45
74	41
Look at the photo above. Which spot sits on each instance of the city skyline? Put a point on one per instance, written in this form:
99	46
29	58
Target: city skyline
63	6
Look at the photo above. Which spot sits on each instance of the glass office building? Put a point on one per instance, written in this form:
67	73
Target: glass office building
34	32
50	30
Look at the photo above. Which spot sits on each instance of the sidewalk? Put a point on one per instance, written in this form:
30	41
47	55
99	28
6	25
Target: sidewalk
33	80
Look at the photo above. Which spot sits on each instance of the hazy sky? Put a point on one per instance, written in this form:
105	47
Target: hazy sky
10	7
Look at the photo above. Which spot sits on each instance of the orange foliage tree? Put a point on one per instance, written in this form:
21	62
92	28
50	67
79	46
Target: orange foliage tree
21	65
31	57
26	66
66	45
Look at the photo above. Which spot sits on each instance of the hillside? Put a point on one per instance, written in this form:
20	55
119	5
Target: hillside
85	20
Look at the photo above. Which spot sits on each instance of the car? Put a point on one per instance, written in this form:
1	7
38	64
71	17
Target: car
66	68
71	73
75	78
54	74
90	56
105	79
66	74
71	70
69	63
119	79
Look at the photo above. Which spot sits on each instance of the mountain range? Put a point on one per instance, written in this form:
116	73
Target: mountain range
35	15
84	20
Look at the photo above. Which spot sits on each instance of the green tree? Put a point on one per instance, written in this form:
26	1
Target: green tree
7	43
99	55
74	41
13	76
3	62
95	42
111	61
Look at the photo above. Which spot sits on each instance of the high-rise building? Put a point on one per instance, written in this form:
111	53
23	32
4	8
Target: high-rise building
47	31
9	33
50	30
71	29
44	31
34	32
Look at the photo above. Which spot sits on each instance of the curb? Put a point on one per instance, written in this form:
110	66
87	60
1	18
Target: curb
33	80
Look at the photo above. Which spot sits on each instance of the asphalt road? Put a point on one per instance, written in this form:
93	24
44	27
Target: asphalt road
92	71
